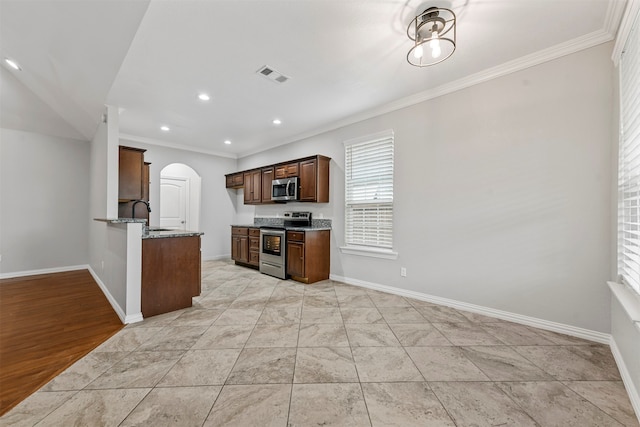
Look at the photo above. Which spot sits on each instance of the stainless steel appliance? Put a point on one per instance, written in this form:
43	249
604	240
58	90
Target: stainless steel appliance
297	219
284	189
273	244
273	252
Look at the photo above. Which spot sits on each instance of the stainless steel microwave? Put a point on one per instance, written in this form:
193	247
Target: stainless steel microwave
284	189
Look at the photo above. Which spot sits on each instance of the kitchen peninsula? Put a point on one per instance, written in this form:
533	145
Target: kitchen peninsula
170	270
170	266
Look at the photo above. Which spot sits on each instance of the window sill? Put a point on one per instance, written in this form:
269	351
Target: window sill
369	252
629	300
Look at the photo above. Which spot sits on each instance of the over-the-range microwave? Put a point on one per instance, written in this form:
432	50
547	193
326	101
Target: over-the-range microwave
285	189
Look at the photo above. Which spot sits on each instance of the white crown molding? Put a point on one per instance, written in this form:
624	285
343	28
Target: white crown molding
152	141
613	16
572	46
607	33
630	14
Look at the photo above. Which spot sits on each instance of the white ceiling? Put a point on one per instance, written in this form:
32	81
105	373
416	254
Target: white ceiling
346	60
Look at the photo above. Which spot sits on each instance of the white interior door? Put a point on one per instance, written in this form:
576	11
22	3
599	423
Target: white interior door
173	203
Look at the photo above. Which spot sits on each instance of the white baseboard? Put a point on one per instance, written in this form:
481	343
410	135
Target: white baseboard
587	334
133	318
116	307
634	396
43	271
216	257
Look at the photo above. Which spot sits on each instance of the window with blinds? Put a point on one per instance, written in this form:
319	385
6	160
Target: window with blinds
629	162
369	191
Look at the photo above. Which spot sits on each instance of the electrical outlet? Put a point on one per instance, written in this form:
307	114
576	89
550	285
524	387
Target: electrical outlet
403	271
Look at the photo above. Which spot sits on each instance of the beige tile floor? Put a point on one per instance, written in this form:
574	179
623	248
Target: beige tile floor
258	351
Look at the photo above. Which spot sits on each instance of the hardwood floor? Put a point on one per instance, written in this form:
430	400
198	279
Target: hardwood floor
47	322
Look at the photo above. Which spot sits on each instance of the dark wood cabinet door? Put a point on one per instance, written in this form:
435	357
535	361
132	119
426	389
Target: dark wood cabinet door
130	176
244	249
248	188
235	248
267	177
146	173
170	274
308	181
286	171
240	248
252	187
256	177
295	259
235	180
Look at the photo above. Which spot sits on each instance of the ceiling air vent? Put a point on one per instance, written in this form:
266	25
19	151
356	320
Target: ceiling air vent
271	74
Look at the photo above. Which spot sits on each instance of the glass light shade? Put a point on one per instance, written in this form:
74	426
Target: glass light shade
435	27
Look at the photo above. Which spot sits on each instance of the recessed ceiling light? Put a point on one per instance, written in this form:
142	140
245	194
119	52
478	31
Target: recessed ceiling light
204	97
165	128
227	142
13	64
277	122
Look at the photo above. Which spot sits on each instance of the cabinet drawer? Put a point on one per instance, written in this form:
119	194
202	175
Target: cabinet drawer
254	257
286	171
297	236
254	232
242	231
254	243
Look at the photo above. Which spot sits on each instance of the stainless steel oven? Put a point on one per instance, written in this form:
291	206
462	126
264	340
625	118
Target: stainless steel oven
273	252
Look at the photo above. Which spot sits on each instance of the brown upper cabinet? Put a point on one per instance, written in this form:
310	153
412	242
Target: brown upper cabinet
253	187
235	180
312	173
286	170
130	178
314	180
133	183
267	177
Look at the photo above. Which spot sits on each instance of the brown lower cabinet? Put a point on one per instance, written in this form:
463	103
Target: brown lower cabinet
170	274
308	255
245	246
254	247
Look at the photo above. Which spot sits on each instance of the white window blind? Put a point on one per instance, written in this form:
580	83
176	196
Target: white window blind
369	191
629	162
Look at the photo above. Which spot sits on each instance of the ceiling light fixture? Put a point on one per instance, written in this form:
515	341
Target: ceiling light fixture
165	128
435	29
227	142
13	64
277	122
204	97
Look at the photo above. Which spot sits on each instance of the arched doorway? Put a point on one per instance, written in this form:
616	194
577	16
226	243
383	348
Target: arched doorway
180	189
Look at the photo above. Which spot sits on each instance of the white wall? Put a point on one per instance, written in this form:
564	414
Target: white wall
218	205
107	243
44	203
502	192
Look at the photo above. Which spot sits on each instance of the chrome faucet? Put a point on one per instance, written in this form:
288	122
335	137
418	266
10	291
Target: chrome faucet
133	207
